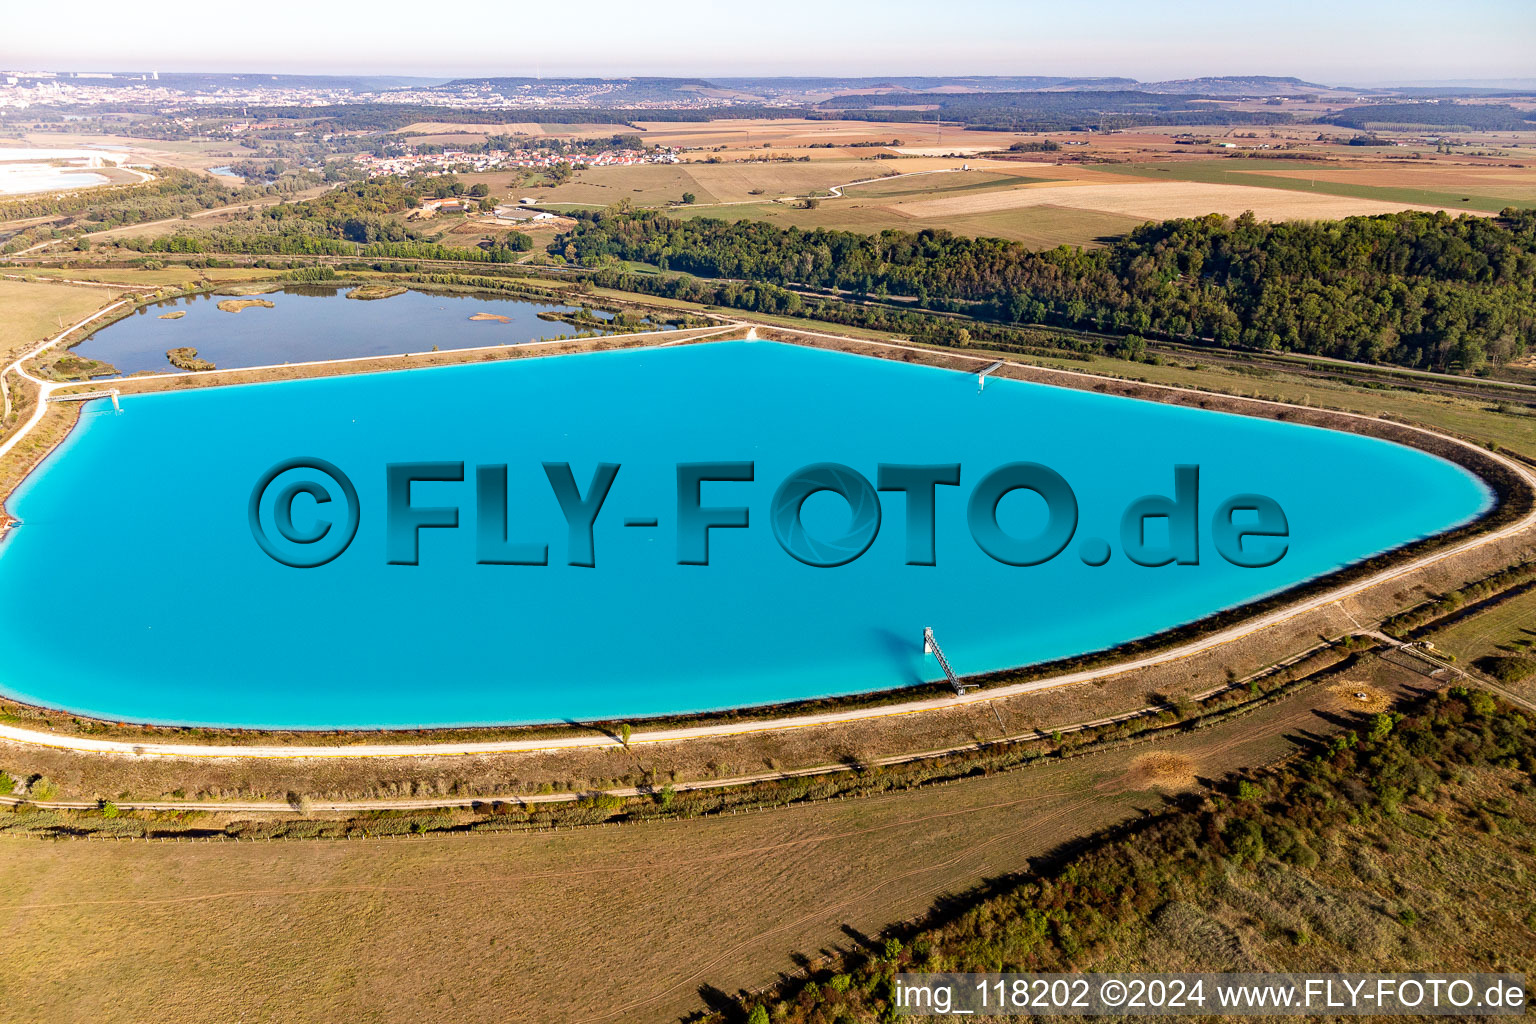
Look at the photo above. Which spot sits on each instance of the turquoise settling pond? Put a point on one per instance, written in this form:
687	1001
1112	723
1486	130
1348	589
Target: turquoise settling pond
135	589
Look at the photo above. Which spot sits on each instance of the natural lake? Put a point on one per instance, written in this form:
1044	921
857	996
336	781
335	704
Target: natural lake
315	322
135	589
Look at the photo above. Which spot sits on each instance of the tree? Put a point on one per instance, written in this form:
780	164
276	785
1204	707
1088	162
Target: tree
688	198
480	190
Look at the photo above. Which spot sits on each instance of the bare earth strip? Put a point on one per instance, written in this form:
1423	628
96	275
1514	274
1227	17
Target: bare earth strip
624	923
1159	200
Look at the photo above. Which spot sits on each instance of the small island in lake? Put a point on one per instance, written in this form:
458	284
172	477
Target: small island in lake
236	305
376	291
186	358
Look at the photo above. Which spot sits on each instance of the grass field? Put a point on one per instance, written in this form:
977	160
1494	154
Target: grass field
1512	186
1514	430
1503	629
177	275
1506	628
34	310
1159	200
725	191
1039	204
621	923
1040	227
663	184
1043	227
1462	189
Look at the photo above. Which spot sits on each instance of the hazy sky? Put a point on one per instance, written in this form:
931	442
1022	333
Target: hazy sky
1337	41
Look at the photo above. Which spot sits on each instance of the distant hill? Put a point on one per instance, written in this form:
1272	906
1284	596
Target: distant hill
592	92
1235	85
972	83
1493	117
1051	111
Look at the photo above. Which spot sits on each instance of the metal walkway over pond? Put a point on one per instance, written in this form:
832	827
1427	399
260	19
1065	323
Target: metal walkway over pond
86	396
931	646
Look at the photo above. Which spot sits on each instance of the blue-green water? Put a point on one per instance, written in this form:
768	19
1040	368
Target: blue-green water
135	590
313	322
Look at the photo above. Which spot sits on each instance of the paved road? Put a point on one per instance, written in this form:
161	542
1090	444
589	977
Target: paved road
44	387
1197	646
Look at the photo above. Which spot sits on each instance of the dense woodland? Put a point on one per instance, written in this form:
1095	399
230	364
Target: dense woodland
1402	846
1497	117
173	193
1416	289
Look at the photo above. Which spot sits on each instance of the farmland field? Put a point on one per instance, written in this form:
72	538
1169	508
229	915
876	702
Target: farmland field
1039	204
1513	186
1474	189
1159	200
1040	227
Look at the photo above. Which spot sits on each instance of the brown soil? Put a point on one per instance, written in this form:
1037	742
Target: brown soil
1163	771
1352	695
492	316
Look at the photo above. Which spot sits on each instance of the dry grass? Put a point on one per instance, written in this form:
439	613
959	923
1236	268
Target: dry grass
1163	771
1039	227
619	923
1357	696
1493	182
1159	200
31	311
174	274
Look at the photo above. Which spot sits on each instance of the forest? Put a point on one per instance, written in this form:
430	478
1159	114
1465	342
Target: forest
1495	117
1415	289
174	193
351	220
